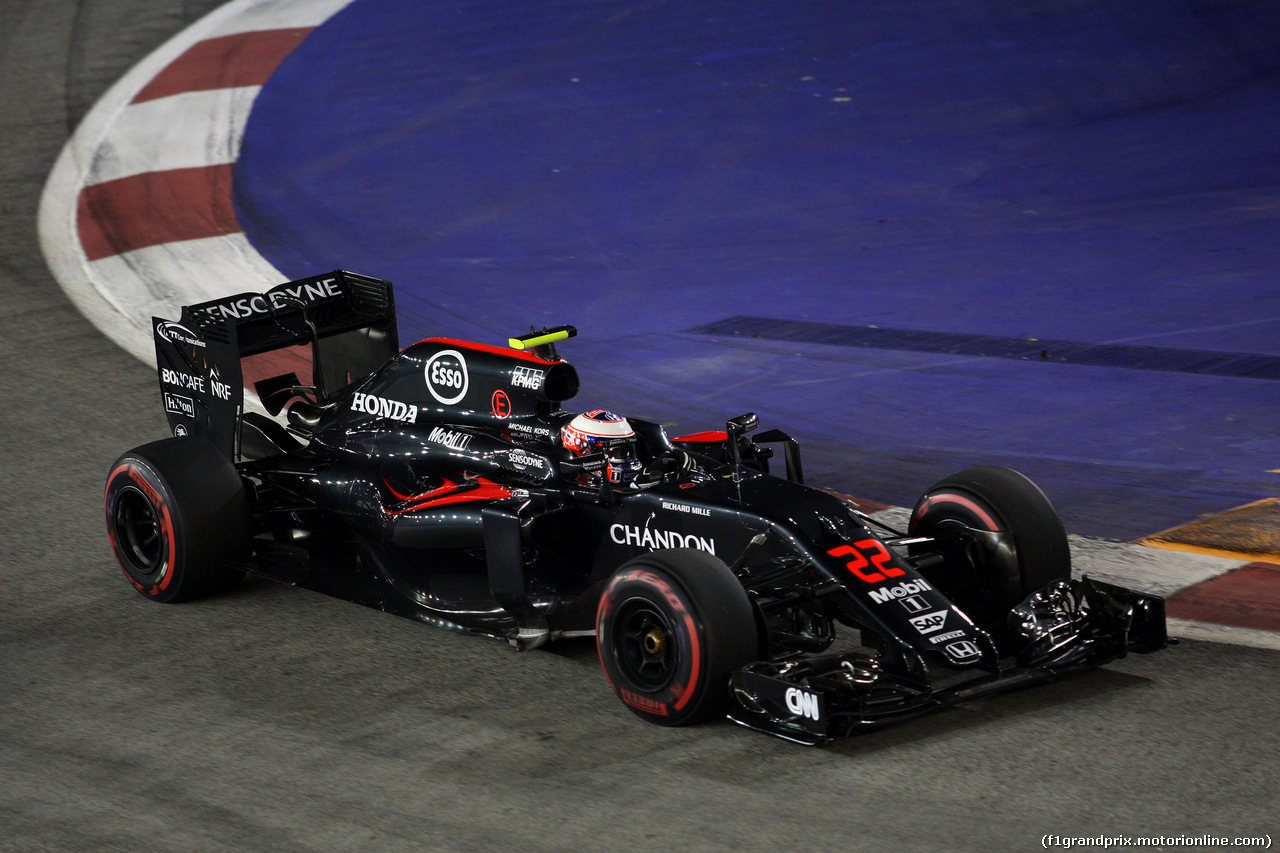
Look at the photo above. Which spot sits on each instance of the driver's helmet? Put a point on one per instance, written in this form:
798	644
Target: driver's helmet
604	432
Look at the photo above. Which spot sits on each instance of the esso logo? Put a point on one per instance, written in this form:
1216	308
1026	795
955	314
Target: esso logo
446	375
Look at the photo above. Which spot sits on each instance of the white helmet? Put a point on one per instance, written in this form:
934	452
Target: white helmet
604	432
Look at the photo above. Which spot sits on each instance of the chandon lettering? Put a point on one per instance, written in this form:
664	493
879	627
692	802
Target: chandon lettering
647	537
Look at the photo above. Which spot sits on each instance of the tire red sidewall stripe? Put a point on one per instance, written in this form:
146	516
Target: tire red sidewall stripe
979	511
138	478
680	693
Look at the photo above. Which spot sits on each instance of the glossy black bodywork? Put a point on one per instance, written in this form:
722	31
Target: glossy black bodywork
430	482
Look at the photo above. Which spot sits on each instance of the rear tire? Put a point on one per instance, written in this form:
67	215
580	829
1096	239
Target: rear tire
671	628
998	500
178	519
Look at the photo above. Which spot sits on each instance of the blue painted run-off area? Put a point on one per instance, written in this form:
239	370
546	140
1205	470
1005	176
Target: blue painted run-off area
1086	172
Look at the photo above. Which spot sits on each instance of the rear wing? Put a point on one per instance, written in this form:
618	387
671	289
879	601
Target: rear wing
347	320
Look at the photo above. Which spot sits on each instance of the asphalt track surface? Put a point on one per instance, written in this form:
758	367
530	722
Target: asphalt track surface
276	719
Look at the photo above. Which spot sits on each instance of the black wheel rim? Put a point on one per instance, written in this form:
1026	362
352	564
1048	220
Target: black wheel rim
968	582
137	529
645	644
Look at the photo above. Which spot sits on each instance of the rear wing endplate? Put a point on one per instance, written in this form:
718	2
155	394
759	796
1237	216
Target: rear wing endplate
348	319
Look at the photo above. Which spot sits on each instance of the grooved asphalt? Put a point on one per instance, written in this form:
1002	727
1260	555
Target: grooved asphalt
275	719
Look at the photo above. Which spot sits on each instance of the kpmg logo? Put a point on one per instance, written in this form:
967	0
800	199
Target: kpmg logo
527	377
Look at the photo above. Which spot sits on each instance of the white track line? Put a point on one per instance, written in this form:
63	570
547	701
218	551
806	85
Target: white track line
118	139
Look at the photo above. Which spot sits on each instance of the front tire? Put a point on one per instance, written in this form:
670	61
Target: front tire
985	580
178	519
670	629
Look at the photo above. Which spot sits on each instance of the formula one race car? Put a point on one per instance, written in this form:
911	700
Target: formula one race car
444	482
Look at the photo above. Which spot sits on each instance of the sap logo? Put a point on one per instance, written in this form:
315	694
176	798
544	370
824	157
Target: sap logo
902	590
963	650
527	377
929	622
802	703
182	380
176	333
383	408
449	438
645	537
177	404
446	374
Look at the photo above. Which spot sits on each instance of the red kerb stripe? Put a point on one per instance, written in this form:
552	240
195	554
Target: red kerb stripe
1247	597
243	59
155	207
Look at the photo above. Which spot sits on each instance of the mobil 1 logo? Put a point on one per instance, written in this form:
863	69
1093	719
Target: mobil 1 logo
446	376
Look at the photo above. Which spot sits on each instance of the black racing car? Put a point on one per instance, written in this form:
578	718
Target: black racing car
434	482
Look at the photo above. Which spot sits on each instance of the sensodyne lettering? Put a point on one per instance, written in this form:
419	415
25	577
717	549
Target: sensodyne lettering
524	460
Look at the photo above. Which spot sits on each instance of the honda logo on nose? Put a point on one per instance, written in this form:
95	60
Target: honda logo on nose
963	650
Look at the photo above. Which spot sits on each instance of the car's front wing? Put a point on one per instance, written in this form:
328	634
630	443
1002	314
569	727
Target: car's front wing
1065	627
